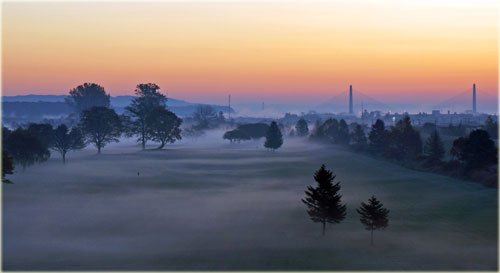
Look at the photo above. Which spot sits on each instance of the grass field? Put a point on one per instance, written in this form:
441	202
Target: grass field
211	205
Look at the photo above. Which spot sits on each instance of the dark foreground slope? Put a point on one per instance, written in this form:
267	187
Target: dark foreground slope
237	207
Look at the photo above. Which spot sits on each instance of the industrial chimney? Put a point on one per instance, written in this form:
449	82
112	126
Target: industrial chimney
350	100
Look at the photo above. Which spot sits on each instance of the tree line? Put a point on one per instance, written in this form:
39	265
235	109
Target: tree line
146	118
472	154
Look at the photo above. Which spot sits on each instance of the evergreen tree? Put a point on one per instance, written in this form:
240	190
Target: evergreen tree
65	140
140	109
7	166
324	201
343	133
100	126
302	128
404	141
434	147
274	138
373	216
358	138
378	137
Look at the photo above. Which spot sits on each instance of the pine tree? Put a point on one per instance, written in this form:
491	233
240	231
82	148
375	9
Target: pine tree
324	201
358	138
343	133
274	138
302	128
378	137
434	147
373	216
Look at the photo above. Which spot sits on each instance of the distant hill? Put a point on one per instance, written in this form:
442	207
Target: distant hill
35	108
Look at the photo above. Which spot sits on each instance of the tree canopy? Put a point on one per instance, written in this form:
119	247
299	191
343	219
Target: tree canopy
274	138
86	96
301	128
163	126
100	126
65	140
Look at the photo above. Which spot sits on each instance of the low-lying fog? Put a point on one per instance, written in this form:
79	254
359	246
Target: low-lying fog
206	204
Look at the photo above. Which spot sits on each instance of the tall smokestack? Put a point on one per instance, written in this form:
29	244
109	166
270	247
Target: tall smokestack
474	98
229	110
350	100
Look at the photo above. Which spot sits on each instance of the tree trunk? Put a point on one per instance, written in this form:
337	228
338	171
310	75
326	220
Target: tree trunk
162	145
64	158
371	242
324	224
143	142
98	149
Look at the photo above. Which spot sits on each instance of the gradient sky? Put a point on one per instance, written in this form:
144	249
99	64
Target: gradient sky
295	51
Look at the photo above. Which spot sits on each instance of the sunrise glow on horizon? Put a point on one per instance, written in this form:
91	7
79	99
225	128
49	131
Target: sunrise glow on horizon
290	50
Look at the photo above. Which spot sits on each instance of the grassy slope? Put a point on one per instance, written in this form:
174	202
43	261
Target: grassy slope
237	207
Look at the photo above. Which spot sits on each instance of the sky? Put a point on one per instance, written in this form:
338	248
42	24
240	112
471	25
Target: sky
301	51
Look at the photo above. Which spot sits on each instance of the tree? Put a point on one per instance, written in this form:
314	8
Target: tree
302	128
43	131
203	115
235	135
86	96
378	137
65	140
323	202
479	150
358	138
343	133
7	166
434	147
491	127
26	148
163	126
458	147
404	141
373	216
274	138
254	130
100	126
148	99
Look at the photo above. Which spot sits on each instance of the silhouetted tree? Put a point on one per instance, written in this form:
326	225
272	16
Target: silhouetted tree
479	150
148	98
254	130
100	126
343	133
324	204
235	135
164	126
378	137
458	147
302	128
434	147
7	166
292	133
26	148
358	138
274	138
491	127
86	96
203	115
43	131
65	140
404	141
373	216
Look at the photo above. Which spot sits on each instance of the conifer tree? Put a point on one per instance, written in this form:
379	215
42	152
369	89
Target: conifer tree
302	128
323	202
378	137
434	147
373	216
274	138
358	138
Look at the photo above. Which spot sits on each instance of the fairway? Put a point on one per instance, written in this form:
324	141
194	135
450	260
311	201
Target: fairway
212	205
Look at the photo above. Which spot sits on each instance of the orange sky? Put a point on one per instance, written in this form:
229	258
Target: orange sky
204	50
